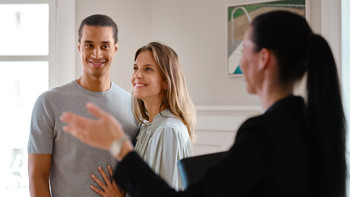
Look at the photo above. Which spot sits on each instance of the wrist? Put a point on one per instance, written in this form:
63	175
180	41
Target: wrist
117	145
121	147
127	147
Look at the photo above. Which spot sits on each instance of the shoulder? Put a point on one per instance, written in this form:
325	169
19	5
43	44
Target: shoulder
257	128
265	123
168	121
65	89
289	110
119	90
119	95
54	97
252	124
171	127
286	119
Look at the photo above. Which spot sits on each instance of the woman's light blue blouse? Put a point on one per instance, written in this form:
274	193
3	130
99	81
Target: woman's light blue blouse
162	143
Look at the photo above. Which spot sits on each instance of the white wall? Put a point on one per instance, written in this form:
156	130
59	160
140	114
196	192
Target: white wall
196	29
64	62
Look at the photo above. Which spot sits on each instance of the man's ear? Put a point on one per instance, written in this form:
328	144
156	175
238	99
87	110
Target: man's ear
78	47
264	58
116	47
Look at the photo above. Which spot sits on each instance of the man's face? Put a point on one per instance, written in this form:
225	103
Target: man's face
97	49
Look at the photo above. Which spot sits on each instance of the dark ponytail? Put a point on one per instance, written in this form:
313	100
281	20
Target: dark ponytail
326	119
298	50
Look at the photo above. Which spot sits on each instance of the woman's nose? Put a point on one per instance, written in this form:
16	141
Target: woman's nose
137	74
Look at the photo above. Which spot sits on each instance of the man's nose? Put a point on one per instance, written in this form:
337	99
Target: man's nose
97	53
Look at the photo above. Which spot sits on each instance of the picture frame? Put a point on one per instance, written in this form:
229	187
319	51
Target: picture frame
238	19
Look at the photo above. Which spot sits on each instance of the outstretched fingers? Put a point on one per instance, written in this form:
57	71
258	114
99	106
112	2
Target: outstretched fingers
114	184
110	171
102	115
109	187
75	120
104	175
100	183
89	130
96	111
95	189
76	125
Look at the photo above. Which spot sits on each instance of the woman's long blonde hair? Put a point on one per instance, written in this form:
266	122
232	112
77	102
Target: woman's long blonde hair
176	97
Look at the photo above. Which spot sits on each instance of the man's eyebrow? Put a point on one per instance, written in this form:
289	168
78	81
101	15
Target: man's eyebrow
104	42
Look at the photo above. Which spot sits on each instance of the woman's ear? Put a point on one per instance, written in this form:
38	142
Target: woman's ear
165	85
264	59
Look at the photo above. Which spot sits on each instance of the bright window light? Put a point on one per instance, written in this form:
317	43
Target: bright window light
21	83
24	65
24	29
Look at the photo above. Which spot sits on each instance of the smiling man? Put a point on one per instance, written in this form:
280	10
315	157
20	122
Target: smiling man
58	164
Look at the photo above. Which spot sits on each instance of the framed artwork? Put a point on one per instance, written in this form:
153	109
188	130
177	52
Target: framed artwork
238	20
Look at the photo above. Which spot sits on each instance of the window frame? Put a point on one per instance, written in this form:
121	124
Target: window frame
50	57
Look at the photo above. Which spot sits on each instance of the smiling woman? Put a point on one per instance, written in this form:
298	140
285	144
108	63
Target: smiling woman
161	103
147	81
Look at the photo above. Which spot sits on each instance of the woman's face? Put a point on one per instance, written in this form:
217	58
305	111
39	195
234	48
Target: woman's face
249	63
148	84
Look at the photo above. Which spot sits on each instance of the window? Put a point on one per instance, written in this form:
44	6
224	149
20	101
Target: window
26	54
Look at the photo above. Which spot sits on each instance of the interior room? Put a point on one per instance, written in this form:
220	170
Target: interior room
196	29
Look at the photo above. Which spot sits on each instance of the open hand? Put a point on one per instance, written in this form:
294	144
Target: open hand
98	133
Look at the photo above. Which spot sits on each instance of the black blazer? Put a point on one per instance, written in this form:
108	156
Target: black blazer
269	158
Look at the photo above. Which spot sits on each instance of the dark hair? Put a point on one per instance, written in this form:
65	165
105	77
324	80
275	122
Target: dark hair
99	20
298	50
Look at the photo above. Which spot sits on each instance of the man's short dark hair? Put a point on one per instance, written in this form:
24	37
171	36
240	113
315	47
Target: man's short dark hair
99	20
